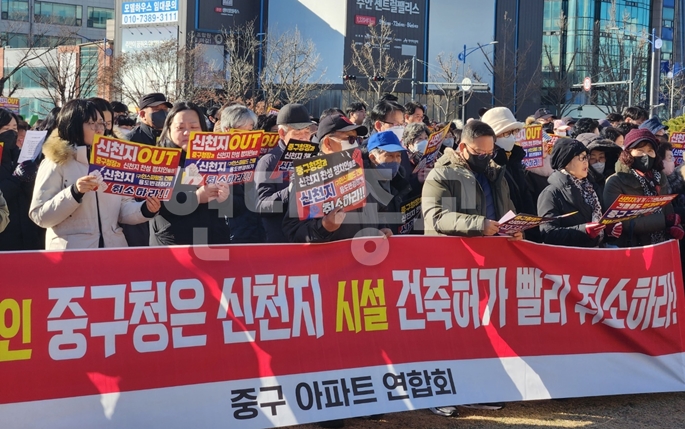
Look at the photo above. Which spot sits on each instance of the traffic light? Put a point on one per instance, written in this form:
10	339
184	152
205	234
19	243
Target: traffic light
349	77
378	78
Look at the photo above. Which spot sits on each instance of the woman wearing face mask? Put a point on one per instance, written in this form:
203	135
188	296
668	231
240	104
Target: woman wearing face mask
191	207
510	155
602	157
16	184
67	200
638	172
570	191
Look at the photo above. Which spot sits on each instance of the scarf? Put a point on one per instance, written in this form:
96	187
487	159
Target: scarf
589	196
650	189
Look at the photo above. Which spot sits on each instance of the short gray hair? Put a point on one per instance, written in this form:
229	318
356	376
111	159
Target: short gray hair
236	116
412	131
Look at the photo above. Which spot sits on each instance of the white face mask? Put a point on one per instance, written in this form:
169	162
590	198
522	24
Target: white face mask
448	142
398	130
347	145
561	133
420	147
669	167
506	143
599	167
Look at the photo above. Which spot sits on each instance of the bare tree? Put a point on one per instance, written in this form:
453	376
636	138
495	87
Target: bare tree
65	74
509	65
242	46
291	73
449	71
41	42
372	61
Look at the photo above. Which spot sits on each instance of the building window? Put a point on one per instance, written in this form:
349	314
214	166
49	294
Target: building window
58	13
97	17
15	10
14	40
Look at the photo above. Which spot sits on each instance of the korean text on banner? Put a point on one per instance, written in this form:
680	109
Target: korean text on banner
326	182
319	335
627	207
530	139
677	140
133	169
294	150
410	211
432	152
33	143
228	158
269	142
512	222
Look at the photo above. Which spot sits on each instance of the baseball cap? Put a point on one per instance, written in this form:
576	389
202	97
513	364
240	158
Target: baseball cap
295	116
543	113
333	123
386	140
153	99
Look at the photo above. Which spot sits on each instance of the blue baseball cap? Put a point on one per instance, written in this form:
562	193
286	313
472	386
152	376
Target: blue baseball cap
386	140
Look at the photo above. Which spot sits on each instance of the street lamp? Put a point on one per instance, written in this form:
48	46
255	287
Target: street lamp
462	57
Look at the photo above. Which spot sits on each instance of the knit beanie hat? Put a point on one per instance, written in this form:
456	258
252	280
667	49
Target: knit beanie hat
564	151
501	120
635	137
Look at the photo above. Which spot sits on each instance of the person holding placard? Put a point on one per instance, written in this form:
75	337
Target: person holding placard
569	191
638	172
191	207
67	200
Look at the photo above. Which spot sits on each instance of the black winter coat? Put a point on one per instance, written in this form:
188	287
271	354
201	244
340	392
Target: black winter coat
562	197
246	224
272	194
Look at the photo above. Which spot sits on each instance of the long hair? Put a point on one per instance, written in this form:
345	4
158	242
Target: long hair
180	107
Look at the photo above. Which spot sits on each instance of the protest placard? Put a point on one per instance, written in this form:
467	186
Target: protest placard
326	182
677	140
269	142
432	152
33	143
228	158
512	222
410	211
530	139
133	169
627	207
294	150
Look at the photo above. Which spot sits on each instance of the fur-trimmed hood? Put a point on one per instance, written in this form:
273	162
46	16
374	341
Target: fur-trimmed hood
57	149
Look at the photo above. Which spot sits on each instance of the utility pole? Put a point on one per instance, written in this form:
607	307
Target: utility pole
413	77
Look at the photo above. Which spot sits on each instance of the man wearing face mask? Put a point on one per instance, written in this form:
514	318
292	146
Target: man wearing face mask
466	193
153	111
510	155
272	192
337	133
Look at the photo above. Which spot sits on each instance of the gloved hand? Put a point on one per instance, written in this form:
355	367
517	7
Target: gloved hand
615	229
672	219
677	232
26	171
593	229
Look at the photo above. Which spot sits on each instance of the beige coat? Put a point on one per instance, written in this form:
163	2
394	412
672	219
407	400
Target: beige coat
70	224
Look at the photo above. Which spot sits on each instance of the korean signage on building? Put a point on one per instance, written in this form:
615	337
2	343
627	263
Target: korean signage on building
149	12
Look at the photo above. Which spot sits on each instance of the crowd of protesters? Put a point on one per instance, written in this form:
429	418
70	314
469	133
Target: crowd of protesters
54	203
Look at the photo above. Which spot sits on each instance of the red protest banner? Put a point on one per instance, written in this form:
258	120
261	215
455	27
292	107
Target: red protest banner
677	140
239	336
326	182
530	139
228	158
134	169
627	207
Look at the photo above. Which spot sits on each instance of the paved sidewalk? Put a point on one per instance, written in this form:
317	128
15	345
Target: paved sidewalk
659	410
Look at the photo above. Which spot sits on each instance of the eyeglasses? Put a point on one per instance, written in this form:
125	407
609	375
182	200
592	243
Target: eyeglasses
481	155
582	158
350	139
95	125
108	124
393	124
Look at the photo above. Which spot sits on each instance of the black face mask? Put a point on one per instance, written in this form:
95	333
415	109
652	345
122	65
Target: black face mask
158	119
478	164
9	139
643	163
